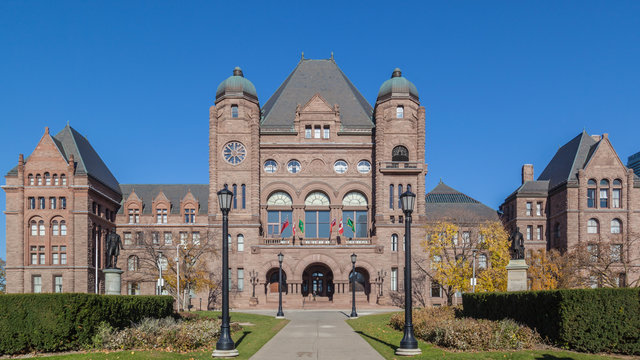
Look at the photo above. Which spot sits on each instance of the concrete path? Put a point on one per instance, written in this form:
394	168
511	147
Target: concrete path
322	335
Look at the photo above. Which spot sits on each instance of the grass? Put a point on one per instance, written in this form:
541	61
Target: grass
248	341
375	329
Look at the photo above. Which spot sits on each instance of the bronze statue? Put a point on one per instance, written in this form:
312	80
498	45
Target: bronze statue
113	245
517	245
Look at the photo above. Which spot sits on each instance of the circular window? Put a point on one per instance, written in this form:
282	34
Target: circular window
340	166
293	166
270	166
364	166
234	153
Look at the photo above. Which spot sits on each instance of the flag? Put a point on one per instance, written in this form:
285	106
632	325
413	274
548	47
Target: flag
294	229
301	225
340	228
351	225
333	223
284	226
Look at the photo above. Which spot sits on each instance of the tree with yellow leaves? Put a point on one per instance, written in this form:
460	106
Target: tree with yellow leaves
451	248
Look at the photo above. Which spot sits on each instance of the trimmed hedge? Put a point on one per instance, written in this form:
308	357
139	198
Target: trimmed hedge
591	320
59	322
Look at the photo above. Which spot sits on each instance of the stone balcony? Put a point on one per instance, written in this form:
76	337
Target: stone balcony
311	241
401	167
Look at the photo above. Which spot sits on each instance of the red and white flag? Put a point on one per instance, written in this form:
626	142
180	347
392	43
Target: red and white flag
333	223
284	226
294	229
340	228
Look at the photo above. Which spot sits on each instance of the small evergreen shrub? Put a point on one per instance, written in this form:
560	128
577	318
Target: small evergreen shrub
441	327
60	322
590	320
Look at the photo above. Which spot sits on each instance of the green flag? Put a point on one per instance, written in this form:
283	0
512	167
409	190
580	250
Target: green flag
301	225
351	225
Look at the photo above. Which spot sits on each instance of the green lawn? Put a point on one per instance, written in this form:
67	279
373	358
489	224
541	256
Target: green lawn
376	331
248	340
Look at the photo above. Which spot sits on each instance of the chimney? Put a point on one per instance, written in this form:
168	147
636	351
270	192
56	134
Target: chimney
527	173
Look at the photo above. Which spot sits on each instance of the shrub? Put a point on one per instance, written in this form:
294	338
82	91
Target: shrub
592	320
59	322
441	327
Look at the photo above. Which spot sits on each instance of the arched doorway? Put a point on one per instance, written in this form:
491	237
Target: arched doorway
362	280
272	281
317	280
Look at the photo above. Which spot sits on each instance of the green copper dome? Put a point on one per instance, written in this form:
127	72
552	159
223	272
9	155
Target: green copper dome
236	85
397	86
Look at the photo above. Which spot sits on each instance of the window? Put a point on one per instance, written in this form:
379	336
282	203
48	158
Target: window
63	255
63	180
41	255
139	238
529	231
325	132
63	202
593	282
400	153
52	203
47	179
244	194
235	196
307	132
539	232
34	255
455	239
592	226
621	280
41	228
55	228
132	263
437	259
466	237
616	252
55	256
241	241
39	179
616	226
161	216
195	238
616	194
399	194
57	284
317	224
155	238
133	288
41	203
190	215
356	219
528	209
394	242
400	112
134	216
435	290
168	238
63	228
56	180
316	132
279	198
183	238
36	281
591	198
539	209
391	196
293	166
234	111
270	166
480	238
340	166
394	279
593	251
482	261
127	238
275	220
556	231
364	167
604	193
240	279
30	177
32	203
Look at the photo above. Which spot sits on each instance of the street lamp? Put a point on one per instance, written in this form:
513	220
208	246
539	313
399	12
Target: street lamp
408	344
225	346
178	273
473	278
160	279
280	314
354	314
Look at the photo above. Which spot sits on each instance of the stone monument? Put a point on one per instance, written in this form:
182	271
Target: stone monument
112	274
517	268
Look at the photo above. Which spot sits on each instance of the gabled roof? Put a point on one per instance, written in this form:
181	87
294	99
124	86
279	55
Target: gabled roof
534	187
312	77
447	203
174	192
570	158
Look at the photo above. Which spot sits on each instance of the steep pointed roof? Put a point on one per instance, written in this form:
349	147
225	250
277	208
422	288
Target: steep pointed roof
175	193
570	158
88	162
309	78
445	202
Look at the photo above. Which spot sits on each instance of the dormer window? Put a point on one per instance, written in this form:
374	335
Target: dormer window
134	216
307	132
325	133
161	216
234	111
316	132
189	215
400	112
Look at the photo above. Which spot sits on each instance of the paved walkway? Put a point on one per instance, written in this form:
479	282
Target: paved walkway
322	335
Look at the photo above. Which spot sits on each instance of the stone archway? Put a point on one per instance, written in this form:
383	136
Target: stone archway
317	281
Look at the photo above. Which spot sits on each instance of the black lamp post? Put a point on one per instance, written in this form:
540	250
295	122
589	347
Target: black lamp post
225	346
354	314
280	314
408	344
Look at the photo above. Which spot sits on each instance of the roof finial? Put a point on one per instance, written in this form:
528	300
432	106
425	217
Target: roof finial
332	56
302	56
237	71
440	180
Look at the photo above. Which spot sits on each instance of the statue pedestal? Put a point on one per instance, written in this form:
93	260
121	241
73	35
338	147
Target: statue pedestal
517	275
112	281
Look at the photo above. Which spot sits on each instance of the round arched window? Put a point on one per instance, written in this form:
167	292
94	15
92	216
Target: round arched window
340	166
400	153
270	166
294	166
364	167
279	198
354	198
234	153
317	198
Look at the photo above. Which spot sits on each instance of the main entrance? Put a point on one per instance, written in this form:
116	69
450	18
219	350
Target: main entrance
317	280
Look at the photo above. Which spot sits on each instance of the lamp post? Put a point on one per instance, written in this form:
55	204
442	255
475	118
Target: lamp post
225	346
280	314
473	278
178	274
408	344
159	284
354	314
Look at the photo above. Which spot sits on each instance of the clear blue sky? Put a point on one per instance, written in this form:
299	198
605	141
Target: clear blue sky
503	83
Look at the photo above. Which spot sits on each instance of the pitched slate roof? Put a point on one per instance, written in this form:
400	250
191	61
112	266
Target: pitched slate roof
174	192
307	79
535	187
444	202
570	158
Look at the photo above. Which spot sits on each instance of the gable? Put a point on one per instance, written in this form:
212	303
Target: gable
605	158
317	104
46	152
